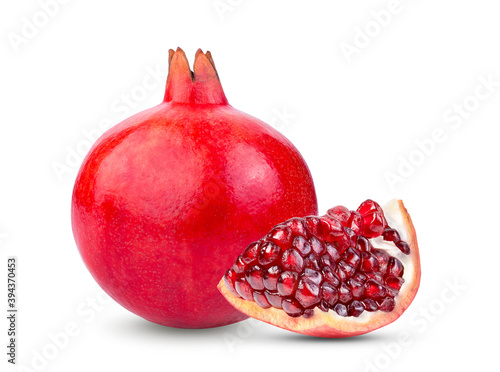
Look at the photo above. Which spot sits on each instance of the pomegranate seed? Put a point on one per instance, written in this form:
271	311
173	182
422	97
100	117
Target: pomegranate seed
403	247
383	259
355	308
243	288
374	289
287	283
341	309
274	299
345	242
239	265
307	293
391	292
332	229
355	222
292	307
345	294
254	277
292	260
369	262
317	246
353	237
268	253
374	223
387	304
395	267
302	245
261	299
330	276
347	268
280	235
370	305
297	226
359	277
363	244
341	213
329	294
313	275
352	257
332	252
366	207
394	282
249	255
270	277
370	206
375	276
308	313
341	274
323	306
314	226
357	288
229	281
326	261
311	262
391	235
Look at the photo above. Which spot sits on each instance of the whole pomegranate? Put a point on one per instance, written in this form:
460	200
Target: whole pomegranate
166	199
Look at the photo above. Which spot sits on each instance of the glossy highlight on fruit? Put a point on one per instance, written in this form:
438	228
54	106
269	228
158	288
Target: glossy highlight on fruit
165	200
339	275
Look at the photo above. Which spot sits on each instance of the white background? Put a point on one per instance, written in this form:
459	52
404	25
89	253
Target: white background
355	117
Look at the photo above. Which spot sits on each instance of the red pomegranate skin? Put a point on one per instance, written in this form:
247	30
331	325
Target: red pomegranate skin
165	200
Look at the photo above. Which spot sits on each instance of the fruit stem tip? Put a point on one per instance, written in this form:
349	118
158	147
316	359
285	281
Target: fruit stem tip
200	86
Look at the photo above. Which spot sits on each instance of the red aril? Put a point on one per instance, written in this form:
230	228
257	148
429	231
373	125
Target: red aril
350	286
165	200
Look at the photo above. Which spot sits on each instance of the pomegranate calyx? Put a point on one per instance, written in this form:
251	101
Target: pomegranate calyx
200	86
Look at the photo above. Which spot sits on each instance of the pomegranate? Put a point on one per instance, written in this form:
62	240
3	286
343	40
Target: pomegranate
164	200
340	275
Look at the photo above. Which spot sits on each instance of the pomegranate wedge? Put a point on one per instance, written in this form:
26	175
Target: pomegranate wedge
340	275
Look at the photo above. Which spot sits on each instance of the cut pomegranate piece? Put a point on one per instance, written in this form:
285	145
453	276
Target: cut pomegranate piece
310	279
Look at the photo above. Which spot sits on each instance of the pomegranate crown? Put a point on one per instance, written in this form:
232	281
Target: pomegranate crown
200	86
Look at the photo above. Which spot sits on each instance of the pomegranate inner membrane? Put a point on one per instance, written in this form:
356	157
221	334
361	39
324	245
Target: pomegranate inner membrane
349	262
